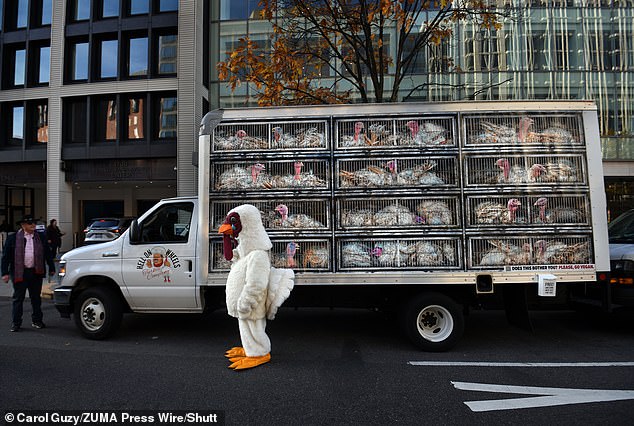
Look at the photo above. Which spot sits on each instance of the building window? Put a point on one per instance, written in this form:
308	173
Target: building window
1	13
79	66
44	65
22	13
17	127
38	129
19	68
75	120
137	57
135	113
168	117
42	12
105	119
110	8
80	10
167	54
168	5
139	7
109	58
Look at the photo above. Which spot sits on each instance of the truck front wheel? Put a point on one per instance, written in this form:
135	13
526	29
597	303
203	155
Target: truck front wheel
98	312
433	322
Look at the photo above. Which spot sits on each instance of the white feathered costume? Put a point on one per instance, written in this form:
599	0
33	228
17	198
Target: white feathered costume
254	290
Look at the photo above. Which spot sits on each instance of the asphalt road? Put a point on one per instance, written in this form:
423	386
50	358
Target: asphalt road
328	367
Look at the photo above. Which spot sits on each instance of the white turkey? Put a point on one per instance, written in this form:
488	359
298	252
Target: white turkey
518	174
559	171
240	141
316	257
419	175
356	255
356	139
426	134
299	220
492	213
357	218
556	214
552	135
309	138
298	179
500	134
393	253
282	139
434	212
368	176
504	253
394	215
252	176
428	254
379	135
557	252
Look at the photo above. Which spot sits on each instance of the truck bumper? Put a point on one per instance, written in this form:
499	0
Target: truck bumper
61	297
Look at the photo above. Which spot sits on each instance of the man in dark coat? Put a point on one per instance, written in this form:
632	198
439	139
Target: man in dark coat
24	258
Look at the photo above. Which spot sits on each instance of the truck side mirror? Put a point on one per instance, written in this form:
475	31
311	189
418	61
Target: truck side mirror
135	232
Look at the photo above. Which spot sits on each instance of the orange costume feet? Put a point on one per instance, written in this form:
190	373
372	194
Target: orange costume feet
235	352
245	362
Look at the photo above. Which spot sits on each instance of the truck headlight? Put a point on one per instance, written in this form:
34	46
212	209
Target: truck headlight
62	268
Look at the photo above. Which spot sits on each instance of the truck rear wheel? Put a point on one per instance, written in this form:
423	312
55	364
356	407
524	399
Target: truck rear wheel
98	312
433	322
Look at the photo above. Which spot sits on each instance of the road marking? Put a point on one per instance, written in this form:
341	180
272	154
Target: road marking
548	396
519	364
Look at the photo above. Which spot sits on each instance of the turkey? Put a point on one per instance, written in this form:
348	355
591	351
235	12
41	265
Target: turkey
309	138
506	254
425	134
394	215
559	253
286	259
552	135
419	175
559	171
316	257
240	141
396	253
518	174
500	134
357	139
357	218
492	213
556	214
433	212
242	178
368	176
380	135
356	255
294	220
297	179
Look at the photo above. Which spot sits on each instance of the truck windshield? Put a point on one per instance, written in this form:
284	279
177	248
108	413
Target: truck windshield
621	230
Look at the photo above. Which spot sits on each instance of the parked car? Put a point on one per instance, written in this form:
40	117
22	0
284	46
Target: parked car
104	229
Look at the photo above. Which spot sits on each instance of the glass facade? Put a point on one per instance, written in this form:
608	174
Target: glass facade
81	10
138	7
19	71
44	71
109	58
576	49
110	8
168	118
168	5
46	12
167	54
17	130
80	61
22	13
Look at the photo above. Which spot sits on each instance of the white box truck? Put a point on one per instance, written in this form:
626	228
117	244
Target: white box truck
420	208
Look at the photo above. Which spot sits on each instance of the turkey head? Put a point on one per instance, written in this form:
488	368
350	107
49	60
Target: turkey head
230	229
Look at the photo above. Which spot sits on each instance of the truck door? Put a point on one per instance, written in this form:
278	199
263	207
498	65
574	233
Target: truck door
159	270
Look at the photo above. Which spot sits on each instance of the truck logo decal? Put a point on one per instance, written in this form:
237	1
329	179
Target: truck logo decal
158	262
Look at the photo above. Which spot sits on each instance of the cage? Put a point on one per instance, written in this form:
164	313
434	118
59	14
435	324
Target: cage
397	213
283	135
398	253
500	251
526	129
389	132
514	170
280	214
304	174
302	254
397	172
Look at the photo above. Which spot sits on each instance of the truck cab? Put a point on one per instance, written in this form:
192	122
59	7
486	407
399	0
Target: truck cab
151	268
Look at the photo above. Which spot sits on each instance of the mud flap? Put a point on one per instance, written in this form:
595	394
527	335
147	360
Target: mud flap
516	306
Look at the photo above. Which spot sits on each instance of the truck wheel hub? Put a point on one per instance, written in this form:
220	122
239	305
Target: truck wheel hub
93	314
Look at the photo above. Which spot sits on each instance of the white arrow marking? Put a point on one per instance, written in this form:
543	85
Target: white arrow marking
518	364
548	396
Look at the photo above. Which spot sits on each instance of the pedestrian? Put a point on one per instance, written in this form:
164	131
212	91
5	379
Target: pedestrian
24	258
54	236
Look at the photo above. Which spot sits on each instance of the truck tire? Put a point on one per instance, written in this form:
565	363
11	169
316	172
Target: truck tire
98	312
433	322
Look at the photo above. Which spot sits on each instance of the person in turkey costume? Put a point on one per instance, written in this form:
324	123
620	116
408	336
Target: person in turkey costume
254	290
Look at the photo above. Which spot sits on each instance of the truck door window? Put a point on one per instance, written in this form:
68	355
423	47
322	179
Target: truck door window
168	224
